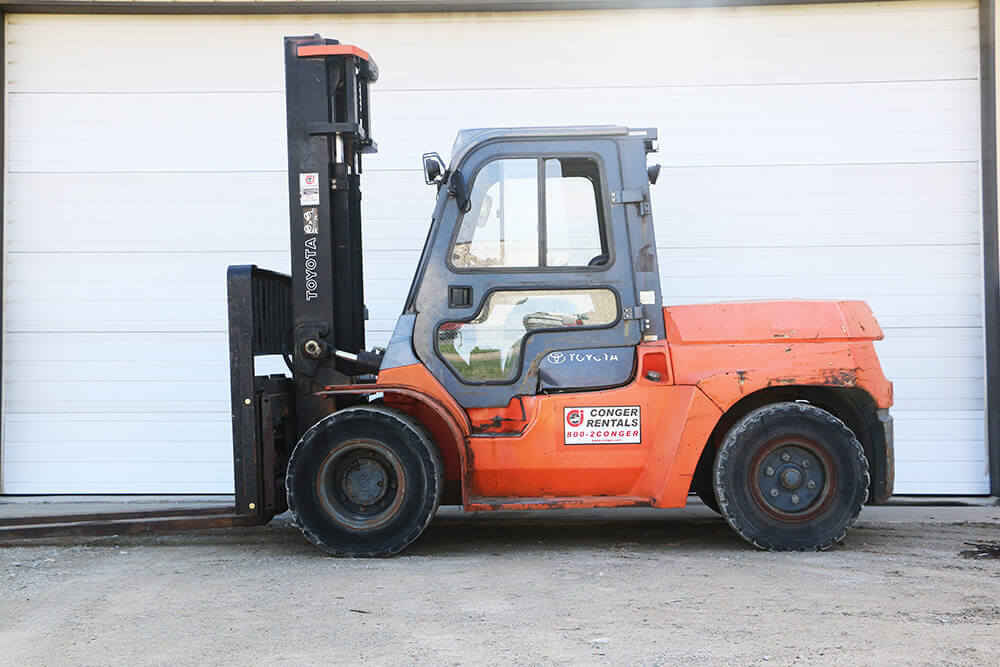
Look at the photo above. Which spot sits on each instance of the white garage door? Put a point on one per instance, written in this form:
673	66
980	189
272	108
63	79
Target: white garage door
811	151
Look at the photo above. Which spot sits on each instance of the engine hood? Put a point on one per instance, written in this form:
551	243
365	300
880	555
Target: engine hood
771	322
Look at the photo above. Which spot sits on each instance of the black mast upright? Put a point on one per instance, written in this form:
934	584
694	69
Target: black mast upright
326	98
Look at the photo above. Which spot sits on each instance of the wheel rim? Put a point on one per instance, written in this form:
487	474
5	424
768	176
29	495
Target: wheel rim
361	484
793	478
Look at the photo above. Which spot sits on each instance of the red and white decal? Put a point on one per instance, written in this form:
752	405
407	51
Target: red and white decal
609	425
309	188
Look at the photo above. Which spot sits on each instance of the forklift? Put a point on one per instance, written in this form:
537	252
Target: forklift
534	365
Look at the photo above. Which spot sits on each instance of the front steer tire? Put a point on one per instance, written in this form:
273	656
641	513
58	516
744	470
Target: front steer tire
364	482
791	477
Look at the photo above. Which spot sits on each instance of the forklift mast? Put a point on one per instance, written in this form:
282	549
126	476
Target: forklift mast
316	317
329	129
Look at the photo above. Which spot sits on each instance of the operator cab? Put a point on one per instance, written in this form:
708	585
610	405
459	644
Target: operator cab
539	272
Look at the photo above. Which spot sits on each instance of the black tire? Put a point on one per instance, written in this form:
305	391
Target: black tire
707	496
365	482
791	477
702	482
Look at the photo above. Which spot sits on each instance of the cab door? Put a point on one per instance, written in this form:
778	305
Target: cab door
529	285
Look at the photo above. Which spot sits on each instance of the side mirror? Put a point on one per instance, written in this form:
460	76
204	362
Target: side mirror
653	172
433	169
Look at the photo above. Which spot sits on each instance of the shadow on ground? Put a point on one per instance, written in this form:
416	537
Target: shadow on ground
454	533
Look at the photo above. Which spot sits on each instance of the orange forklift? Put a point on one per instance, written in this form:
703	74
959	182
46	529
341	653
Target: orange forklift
534	365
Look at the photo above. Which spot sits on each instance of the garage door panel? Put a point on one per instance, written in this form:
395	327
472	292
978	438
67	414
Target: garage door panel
114	370
946	388
895	313
900	197
97	389
819	233
960	452
877	262
840	160
114	267
748	125
142	428
34	288
397	236
51	453
939	488
789	210
40	199
902	40
158	476
954	310
183	348
36	402
214	212
129	317
949	477
821	286
931	406
938	367
956	426
919	343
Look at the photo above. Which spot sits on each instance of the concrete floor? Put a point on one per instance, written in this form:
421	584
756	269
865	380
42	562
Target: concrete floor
611	586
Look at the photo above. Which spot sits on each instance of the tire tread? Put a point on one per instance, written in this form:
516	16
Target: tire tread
391	417
740	429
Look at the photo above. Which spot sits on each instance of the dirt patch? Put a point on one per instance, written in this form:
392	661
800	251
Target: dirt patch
620	586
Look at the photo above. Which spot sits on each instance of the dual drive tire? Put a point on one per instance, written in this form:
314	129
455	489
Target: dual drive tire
365	481
790	477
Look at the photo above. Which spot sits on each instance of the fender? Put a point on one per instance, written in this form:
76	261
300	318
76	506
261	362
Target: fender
728	372
413	390
740	353
730	350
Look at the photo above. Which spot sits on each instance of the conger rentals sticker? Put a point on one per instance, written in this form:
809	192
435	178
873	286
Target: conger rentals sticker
611	425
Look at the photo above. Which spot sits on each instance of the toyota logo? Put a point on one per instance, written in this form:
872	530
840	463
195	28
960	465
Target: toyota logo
557	357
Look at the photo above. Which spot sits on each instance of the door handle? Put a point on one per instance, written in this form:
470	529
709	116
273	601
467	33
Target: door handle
459	296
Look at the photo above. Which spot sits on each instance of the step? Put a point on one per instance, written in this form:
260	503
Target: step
492	504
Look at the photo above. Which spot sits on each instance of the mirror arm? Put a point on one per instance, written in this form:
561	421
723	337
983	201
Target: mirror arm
441	181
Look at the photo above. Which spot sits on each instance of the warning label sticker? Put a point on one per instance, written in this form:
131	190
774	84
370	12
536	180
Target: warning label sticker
309	189
602	425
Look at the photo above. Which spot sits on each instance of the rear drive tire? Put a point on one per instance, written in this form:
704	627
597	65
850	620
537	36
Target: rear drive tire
791	477
365	482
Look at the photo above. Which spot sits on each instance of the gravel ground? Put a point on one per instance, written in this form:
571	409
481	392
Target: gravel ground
618	586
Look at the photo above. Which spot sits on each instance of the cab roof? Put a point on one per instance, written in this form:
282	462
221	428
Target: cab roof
469	138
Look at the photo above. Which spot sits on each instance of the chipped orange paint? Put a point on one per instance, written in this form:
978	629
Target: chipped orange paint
730	350
514	456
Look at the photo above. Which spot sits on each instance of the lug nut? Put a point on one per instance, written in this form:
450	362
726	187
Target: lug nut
806	463
795	500
810	485
768	471
786	457
774	493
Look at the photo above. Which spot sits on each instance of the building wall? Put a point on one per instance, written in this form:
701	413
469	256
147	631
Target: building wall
811	150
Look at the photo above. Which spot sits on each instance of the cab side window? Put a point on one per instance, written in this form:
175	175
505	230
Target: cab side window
572	217
533	214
